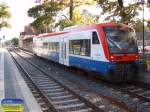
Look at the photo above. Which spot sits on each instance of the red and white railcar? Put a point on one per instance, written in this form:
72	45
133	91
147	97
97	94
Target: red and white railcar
109	49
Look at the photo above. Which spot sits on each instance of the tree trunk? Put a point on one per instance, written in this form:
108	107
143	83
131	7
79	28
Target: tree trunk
120	2
122	12
71	9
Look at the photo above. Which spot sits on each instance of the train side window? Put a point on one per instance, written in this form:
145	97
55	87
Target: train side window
76	44
80	47
70	47
95	39
57	46
53	46
45	45
85	48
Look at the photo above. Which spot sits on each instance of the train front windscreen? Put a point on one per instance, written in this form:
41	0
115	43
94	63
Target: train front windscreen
121	40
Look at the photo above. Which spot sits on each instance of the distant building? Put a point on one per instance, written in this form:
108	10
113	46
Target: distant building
26	37
29	30
21	36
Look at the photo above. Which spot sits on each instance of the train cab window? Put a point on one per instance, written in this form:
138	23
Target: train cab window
95	39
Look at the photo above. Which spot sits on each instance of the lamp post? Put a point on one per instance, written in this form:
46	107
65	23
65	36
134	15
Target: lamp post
0	42
143	28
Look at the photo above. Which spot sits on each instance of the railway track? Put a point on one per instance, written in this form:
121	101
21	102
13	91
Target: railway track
131	104
38	94
137	91
58	96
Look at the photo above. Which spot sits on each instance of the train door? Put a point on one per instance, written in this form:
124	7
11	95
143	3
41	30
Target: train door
95	46
64	59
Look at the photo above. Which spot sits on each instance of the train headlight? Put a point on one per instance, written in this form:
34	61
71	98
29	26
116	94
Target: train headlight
136	57
111	57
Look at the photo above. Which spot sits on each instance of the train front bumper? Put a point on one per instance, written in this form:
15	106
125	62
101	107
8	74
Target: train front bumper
122	71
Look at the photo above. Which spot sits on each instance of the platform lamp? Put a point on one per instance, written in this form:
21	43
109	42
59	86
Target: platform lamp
143	2
3	37
0	42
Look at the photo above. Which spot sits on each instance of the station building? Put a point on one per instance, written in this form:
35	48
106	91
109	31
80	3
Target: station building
26	38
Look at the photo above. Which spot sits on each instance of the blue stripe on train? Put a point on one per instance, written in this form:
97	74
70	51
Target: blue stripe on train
93	65
53	56
98	66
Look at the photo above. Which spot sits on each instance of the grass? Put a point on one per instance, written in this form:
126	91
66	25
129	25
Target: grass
145	58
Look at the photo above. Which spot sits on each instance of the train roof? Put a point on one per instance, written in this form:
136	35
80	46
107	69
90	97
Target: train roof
50	34
79	28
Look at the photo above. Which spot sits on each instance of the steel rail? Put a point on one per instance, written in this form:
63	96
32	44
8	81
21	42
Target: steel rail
46	99
108	98
88	103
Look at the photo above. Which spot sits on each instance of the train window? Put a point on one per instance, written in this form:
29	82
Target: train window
80	47
53	46
95	39
45	45
75	46
57	46
85	49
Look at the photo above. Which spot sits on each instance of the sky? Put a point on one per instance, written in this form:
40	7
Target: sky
19	18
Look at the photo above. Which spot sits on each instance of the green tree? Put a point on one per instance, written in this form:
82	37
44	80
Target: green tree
148	25
118	12
78	19
7	43
138	26
64	23
73	4
46	12
4	15
43	14
14	41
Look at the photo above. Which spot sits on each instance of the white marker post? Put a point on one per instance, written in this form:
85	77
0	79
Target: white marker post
1	75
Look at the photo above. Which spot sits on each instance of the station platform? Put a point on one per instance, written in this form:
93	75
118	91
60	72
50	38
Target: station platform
12	84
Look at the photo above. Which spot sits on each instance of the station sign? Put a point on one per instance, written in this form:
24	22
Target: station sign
12	105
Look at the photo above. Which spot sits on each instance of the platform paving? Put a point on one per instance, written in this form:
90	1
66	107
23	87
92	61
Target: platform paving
12	84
